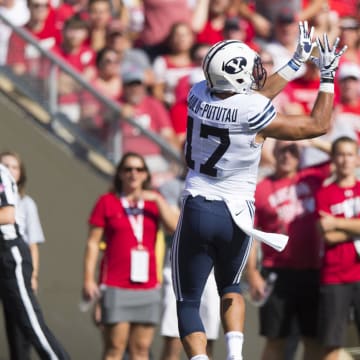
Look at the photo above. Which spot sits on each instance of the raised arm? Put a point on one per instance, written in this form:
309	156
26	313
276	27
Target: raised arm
296	127
261	25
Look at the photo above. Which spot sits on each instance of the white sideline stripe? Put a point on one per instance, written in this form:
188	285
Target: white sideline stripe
28	305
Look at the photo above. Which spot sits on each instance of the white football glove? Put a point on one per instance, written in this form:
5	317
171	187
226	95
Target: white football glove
328	60
305	45
302	53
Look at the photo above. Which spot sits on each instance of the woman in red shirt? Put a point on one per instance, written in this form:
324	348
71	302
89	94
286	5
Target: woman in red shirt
127	218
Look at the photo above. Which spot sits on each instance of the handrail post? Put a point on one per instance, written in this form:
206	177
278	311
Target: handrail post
53	88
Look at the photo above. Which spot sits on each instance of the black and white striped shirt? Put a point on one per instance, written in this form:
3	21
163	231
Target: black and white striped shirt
8	197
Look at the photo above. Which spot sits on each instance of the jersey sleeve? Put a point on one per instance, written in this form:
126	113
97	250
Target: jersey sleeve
261	113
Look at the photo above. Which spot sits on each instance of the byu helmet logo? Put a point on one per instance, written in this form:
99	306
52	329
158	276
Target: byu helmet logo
235	65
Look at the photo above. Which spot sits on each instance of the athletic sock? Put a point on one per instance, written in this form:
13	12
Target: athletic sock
200	357
234	344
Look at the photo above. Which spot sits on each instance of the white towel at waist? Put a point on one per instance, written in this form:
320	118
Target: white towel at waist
241	214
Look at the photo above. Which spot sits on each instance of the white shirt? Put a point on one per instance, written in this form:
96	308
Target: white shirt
29	221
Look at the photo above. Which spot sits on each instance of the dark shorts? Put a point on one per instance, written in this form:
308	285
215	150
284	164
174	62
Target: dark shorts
293	304
207	237
335	304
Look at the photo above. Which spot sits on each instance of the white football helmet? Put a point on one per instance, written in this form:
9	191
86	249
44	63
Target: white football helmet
232	66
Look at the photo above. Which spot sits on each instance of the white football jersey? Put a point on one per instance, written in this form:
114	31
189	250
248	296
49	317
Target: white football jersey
220	149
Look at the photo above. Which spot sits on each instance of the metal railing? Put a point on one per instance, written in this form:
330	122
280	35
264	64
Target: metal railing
91	117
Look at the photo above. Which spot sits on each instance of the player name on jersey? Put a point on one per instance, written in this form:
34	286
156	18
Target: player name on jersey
212	112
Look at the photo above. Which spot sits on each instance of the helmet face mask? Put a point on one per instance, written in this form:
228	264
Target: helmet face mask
232	66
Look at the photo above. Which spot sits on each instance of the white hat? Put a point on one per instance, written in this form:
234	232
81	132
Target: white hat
349	70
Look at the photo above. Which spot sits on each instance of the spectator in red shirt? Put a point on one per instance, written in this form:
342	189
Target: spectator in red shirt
338	207
285	32
236	28
73	48
285	203
159	17
127	218
303	90
151	114
344	8
17	13
169	68
108	82
349	35
345	120
99	19
24	58
347	110
69	8
81	58
211	29
262	14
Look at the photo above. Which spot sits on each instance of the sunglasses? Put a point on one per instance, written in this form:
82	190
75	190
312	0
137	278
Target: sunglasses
129	169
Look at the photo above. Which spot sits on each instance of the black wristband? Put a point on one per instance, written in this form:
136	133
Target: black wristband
327	80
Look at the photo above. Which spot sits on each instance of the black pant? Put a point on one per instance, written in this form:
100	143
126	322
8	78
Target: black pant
20	303
19	345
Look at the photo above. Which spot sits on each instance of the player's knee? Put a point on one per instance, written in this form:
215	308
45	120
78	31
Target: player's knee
189	317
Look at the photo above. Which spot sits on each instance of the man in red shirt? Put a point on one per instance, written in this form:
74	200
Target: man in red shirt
81	57
303	90
211	29
347	110
151	114
338	206
73	48
285	203
23	57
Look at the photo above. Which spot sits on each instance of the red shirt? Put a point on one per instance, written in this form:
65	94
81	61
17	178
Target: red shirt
209	35
344	8
110	215
22	53
340	263
287	206
303	92
160	16
153	115
80	60
178	115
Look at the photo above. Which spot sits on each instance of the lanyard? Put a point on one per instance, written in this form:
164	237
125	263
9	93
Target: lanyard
136	222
